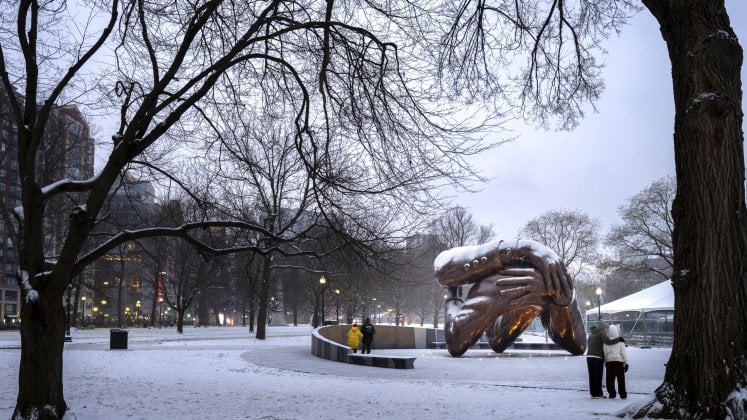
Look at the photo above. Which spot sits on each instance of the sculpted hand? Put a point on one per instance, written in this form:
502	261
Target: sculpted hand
558	283
521	286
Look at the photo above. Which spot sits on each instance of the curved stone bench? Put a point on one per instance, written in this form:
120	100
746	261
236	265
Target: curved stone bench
329	343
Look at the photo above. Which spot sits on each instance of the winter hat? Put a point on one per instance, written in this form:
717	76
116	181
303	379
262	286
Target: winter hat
614	331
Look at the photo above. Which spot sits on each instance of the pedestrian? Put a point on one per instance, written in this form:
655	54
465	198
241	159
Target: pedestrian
595	358
354	337
616	362
368	332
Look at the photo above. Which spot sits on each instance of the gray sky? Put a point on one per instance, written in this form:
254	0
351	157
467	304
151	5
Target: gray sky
611	156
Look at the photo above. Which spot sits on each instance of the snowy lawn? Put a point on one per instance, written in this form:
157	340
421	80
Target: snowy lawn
224	373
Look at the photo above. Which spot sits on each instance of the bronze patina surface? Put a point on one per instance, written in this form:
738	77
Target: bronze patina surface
499	288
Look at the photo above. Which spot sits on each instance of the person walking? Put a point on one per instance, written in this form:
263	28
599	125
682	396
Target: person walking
616	362
354	337
595	358
368	332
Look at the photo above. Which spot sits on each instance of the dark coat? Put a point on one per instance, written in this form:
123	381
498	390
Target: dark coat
368	332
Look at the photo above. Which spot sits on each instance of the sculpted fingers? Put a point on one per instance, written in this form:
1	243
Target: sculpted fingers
557	279
519	282
568	283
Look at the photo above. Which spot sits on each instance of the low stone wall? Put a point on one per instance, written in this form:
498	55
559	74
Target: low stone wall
330	343
388	336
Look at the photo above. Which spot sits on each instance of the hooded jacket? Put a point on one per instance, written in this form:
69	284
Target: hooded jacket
598	338
615	352
354	337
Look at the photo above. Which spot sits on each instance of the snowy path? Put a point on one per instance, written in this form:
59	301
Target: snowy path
222	373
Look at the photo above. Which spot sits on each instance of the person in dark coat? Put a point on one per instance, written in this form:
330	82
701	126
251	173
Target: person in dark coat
368	331
595	358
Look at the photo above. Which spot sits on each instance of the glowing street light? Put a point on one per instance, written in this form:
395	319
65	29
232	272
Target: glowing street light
322	284
599	303
337	306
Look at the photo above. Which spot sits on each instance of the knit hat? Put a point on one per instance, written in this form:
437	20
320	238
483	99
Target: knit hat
614	331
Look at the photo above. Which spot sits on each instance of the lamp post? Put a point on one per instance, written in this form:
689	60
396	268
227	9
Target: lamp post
137	312
83	311
104	311
337	306
160	313
322	284
599	303
67	323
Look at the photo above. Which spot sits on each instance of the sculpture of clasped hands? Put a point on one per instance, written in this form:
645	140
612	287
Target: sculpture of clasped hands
509	286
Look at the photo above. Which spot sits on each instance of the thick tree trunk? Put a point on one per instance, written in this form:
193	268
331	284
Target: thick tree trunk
180	320
264	297
707	366
40	392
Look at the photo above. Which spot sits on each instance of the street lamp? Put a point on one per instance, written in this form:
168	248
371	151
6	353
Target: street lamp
160	313
322	284
104	310
599	303
137	312
337	306
67	326
83	311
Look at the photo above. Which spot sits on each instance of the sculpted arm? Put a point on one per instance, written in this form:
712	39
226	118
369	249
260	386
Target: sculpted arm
470	264
565	326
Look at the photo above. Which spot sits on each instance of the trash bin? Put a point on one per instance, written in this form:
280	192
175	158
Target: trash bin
117	339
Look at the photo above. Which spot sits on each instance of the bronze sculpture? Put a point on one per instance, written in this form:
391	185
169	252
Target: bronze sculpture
508	287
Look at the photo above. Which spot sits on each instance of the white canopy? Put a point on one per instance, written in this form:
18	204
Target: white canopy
655	298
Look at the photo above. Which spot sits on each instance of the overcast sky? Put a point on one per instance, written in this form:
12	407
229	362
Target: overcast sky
610	156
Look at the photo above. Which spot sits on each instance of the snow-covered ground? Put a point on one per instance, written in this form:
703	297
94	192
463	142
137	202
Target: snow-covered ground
225	373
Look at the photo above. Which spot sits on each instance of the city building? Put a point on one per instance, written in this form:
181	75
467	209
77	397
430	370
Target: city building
67	152
122	282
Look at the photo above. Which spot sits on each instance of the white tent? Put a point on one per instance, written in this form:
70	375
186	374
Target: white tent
655	298
639	327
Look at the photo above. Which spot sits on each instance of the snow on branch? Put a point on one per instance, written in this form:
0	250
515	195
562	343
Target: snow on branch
185	232
68	185
31	294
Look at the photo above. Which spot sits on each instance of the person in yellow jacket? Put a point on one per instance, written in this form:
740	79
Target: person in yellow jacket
354	337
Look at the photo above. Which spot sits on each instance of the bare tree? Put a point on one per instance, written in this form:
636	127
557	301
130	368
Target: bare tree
167	59
557	42
458	228
572	234
646	232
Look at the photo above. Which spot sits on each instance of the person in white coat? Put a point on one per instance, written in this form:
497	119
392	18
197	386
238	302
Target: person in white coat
616	362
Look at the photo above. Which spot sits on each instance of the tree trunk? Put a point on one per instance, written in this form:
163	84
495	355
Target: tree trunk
252	308
264	296
76	299
40	392
708	364
180	320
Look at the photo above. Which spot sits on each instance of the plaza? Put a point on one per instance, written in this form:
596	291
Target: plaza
225	373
